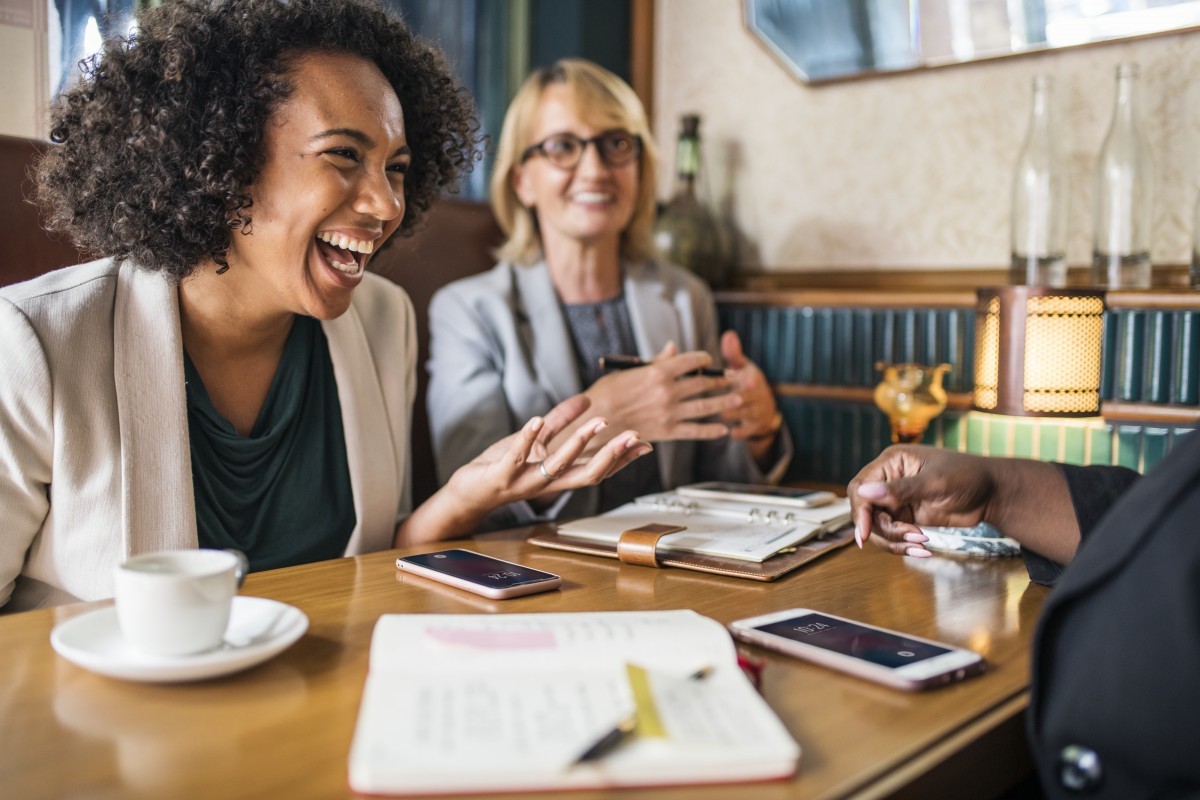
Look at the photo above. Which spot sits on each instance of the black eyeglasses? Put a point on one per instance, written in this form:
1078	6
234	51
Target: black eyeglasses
565	150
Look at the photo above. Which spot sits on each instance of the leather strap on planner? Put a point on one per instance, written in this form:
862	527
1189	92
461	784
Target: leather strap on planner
639	545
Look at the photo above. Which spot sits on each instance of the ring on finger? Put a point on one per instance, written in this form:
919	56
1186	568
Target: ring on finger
545	472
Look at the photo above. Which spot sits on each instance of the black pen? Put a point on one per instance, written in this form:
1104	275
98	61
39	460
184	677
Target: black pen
609	741
629	362
623	729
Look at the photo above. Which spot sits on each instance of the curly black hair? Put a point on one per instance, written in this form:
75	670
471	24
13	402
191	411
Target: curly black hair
163	134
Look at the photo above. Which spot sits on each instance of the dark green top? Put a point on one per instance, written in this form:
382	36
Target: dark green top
282	494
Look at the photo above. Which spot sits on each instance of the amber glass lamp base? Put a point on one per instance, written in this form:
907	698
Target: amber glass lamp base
910	395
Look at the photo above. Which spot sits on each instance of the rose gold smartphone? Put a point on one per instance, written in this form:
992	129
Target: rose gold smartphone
754	493
475	572
877	654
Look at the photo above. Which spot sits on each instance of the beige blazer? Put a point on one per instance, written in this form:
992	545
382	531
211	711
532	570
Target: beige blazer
94	458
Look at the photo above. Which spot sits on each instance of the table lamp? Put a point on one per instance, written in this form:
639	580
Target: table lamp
1038	350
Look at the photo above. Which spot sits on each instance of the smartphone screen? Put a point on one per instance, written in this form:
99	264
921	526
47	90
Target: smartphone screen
480	574
753	493
791	493
854	640
884	656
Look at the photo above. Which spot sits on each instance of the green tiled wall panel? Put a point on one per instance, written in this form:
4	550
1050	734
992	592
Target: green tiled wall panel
1022	439
1185	366
1128	445
1107	361
1129	355
839	346
825	346
954	431
806	327
835	439
1156	377
1150	356
862	348
1072	441
1101	448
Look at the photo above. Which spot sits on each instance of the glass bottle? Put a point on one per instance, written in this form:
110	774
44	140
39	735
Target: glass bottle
1124	189
1039	199
686	232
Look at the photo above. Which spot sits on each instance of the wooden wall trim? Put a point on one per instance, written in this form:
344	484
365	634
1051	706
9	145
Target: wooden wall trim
914	289
850	298
1165	299
1131	299
1149	412
641	52
1110	410
959	401
1167	277
911	279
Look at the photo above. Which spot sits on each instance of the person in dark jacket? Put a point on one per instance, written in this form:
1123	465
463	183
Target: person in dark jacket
1116	669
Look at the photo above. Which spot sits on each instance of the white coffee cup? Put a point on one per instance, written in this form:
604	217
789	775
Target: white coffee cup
176	603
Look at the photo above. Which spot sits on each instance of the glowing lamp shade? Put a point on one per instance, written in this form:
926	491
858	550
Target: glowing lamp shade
1038	350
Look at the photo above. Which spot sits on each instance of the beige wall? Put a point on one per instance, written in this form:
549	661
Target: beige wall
22	86
913	170
19	114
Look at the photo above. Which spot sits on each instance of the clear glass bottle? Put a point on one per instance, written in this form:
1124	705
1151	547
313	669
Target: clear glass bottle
1124	195
1039	198
686	232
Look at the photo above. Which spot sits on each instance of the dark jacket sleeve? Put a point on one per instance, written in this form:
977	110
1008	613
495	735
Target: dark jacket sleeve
1093	491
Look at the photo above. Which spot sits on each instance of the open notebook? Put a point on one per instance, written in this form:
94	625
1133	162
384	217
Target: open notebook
727	528
508	703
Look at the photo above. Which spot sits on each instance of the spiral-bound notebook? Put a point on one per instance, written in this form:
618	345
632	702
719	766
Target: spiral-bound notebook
760	540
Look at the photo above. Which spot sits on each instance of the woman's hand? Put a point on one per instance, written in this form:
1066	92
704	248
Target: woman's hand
911	485
756	419
664	400
521	466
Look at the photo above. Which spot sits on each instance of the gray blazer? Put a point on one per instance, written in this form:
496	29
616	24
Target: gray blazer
94	457
501	352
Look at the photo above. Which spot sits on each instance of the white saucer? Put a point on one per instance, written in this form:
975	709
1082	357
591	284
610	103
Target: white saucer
258	629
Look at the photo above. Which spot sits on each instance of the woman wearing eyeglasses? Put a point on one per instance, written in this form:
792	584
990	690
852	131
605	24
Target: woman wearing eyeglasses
574	191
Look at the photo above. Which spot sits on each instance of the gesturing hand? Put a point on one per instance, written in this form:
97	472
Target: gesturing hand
757	417
521	466
663	400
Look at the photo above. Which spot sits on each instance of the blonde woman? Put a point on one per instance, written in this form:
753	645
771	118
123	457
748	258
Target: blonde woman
574	191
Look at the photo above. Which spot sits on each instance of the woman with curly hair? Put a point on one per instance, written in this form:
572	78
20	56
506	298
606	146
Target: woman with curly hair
230	375
573	190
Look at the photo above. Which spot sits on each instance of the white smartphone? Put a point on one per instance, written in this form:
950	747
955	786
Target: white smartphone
475	572
754	493
877	654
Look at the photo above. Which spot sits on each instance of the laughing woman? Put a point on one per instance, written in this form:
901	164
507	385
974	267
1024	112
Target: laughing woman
230	375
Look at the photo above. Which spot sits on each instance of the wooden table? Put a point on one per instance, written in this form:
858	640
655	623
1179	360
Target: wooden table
283	729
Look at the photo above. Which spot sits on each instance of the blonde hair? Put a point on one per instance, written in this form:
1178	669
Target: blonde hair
598	93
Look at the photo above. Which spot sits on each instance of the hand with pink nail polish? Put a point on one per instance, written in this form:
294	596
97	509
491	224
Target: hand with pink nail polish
522	466
908	486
